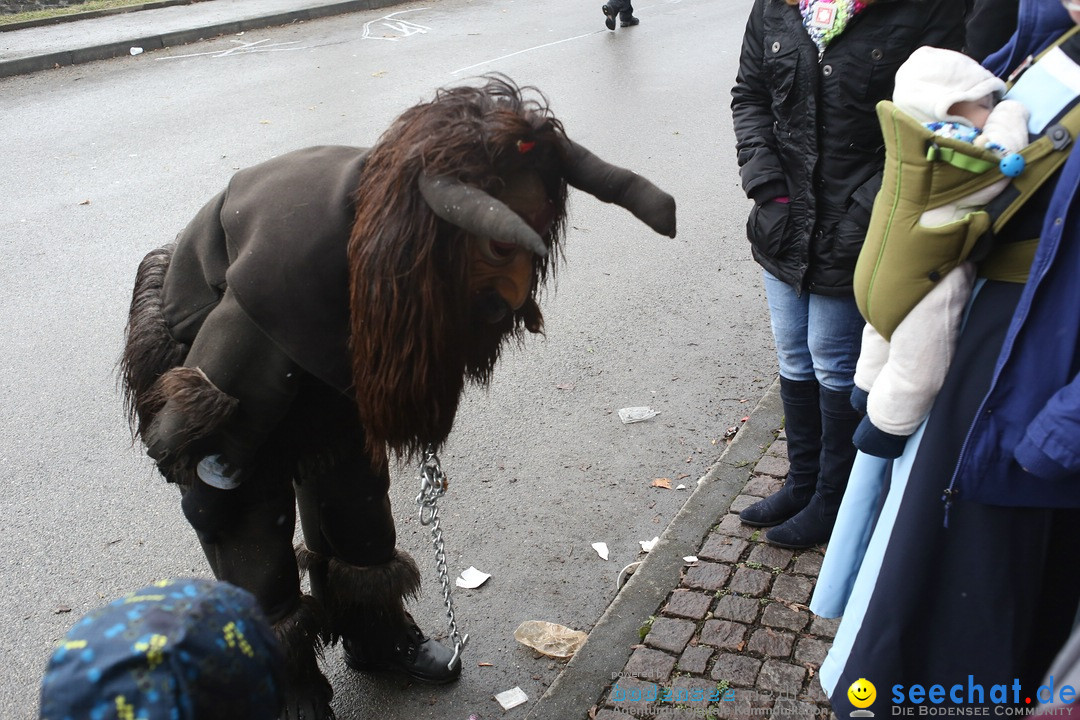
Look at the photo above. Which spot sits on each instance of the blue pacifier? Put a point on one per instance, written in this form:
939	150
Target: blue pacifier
1012	165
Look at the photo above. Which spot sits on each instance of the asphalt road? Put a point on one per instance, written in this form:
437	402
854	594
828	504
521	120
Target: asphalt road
107	161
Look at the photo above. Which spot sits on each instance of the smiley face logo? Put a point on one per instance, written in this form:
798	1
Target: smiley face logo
862	693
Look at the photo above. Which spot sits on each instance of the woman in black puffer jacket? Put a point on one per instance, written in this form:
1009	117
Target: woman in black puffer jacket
810	155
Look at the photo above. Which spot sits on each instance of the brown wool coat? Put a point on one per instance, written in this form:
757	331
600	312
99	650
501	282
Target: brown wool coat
277	236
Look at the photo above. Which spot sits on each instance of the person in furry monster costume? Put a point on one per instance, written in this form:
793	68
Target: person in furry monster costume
325	311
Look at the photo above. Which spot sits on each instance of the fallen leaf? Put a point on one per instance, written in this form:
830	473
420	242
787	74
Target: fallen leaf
740	646
484	665
683	476
661	483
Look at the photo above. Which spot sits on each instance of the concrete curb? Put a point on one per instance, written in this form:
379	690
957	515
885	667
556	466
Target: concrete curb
75	17
25	65
608	648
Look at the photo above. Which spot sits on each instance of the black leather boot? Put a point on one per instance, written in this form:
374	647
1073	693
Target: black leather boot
802	423
813	525
366	610
411	653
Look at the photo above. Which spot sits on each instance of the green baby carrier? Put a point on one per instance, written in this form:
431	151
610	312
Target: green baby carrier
901	260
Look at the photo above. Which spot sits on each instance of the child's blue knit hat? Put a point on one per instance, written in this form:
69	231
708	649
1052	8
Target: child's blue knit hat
181	649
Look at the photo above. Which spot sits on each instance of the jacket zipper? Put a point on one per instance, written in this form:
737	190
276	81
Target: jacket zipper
951	492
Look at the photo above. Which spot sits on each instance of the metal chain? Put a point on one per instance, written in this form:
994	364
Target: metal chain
433	484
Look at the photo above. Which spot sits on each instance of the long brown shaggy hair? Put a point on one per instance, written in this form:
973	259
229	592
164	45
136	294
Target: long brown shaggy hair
415	339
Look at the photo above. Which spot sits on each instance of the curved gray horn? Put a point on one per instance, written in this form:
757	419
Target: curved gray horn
625	188
476	212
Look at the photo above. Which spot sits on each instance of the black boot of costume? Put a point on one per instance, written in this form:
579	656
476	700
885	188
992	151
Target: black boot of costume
366	609
802	424
308	692
411	653
250	546
813	525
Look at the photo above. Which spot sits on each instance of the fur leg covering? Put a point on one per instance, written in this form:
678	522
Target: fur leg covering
149	348
169	406
307	692
362	602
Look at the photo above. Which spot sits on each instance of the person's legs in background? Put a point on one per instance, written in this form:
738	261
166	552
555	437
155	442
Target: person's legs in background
623	9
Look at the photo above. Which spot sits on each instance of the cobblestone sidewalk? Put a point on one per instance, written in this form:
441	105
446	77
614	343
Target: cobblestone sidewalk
735	639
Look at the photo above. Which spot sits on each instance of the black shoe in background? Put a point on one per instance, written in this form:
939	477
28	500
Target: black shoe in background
609	16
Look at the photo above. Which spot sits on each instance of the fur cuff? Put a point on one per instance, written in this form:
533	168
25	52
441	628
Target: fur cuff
187	407
361	599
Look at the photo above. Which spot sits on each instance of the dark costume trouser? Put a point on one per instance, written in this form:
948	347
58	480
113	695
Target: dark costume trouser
224	388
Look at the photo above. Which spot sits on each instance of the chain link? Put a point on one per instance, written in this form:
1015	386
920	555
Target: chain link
433	484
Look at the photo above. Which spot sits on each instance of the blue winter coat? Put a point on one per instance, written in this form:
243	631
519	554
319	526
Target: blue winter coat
1023	448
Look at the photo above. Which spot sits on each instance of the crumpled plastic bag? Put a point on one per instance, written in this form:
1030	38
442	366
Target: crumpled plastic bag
557	641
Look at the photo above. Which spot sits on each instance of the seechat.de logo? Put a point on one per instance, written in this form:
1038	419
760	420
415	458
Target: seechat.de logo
862	694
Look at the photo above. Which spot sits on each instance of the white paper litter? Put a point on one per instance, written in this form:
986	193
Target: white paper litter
636	414
136	51
512	698
471	578
681	487
601	550
648	545
690	558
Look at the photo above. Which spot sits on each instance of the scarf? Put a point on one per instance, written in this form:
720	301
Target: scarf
825	19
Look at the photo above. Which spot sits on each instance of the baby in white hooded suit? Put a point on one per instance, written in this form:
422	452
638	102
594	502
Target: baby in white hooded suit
896	380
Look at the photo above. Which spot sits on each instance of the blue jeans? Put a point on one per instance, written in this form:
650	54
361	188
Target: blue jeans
817	336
